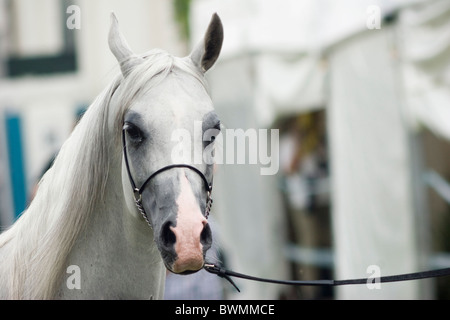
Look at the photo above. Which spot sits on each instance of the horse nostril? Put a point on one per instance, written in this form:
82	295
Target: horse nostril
206	236
167	235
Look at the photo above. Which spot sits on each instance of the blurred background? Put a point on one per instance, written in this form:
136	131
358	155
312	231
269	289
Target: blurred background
360	93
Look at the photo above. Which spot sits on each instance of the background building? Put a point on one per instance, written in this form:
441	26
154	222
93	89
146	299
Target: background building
51	72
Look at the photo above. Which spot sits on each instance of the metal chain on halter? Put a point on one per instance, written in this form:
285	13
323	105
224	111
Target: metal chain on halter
140	206
209	202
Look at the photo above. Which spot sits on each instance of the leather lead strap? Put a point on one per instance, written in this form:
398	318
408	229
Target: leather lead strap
224	273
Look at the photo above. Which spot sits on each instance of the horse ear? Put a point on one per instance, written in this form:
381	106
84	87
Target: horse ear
120	48
207	51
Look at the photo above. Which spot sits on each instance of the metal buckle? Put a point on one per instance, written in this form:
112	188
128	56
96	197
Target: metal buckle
137	195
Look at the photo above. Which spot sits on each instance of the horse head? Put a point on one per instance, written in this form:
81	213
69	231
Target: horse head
173	200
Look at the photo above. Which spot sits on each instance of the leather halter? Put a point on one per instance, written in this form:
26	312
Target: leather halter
137	192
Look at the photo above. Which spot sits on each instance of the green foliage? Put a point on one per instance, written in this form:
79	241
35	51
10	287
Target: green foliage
182	9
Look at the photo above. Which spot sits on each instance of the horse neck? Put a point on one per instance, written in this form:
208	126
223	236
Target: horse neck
114	245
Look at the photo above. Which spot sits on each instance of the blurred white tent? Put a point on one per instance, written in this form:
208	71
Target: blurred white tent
381	70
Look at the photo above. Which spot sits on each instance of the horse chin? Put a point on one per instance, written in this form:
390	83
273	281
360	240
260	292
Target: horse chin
184	271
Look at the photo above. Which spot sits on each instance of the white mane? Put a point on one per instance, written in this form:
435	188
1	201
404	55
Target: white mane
35	248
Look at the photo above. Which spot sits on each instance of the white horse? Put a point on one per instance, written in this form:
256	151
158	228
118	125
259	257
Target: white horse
83	221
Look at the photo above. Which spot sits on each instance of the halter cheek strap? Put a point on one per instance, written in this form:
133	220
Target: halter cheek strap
137	192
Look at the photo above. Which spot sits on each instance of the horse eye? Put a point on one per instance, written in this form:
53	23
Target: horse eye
210	135
216	130
133	132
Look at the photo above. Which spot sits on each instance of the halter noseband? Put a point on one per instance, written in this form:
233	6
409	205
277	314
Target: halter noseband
137	192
